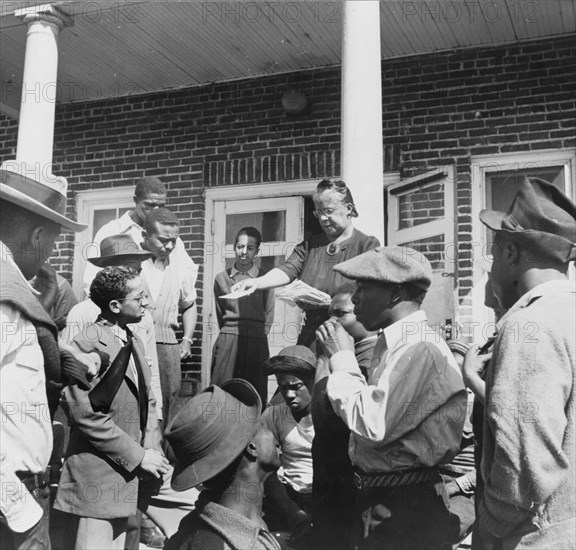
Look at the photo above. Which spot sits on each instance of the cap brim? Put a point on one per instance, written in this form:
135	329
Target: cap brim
116	259
285	364
20	199
223	454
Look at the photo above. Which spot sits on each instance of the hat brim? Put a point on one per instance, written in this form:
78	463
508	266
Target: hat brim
493	220
20	199
228	450
116	259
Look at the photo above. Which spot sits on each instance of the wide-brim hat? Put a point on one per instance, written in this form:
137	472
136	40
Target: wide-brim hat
540	217
116	248
212	430
291	360
391	265
47	197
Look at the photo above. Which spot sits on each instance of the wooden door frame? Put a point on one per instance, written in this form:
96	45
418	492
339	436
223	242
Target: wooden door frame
506	161
300	188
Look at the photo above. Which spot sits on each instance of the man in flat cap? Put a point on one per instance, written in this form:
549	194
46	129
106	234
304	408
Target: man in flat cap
528	454
407	418
291	424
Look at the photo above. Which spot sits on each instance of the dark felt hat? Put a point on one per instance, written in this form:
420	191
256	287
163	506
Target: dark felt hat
41	195
212	430
291	360
119	247
540	217
389	264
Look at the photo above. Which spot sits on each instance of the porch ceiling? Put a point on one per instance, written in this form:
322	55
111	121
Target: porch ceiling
120	48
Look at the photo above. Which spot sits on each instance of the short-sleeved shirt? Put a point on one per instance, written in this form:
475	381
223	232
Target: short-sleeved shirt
171	286
296	443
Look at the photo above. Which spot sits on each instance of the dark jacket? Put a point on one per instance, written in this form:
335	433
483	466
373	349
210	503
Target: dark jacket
100	474
214	527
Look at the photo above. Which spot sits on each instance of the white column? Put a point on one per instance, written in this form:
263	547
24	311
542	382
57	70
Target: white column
39	92
362	152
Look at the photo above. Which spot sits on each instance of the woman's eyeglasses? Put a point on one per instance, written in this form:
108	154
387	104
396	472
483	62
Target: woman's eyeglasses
328	212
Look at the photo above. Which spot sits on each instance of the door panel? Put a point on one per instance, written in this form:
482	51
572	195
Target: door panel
495	183
280	220
421	216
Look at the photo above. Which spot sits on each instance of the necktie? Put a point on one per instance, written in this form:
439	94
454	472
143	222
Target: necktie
142	393
102	395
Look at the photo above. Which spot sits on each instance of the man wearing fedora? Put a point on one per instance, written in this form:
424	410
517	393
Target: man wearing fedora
529	438
407	418
32	215
219	442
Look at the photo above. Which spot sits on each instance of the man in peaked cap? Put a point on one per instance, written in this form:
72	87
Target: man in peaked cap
407	418
32	215
219	442
528	454
291	423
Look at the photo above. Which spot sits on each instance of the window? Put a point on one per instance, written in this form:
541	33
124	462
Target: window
96	208
495	182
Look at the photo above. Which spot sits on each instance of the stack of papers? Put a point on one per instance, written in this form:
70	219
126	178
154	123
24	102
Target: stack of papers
303	295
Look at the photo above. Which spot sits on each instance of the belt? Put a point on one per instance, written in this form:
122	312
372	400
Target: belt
35	481
394	479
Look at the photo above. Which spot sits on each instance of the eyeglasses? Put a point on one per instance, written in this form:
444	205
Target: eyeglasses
328	212
140	299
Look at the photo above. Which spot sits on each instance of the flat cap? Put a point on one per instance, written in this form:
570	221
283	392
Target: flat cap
291	360
389	264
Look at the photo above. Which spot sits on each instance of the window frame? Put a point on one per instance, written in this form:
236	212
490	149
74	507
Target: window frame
88	202
482	319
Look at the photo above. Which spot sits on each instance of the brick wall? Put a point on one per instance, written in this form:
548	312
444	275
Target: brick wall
438	109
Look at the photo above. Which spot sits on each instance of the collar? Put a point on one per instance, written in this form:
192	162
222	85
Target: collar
6	256
543	289
367	340
118	332
238	531
126	222
252	272
403	330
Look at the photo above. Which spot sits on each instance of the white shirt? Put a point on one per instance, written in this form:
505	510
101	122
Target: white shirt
411	411
25	425
296	442
124	224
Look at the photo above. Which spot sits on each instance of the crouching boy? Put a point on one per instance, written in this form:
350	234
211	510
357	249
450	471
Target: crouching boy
114	439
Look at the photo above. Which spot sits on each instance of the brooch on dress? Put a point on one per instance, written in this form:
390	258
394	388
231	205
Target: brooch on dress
332	248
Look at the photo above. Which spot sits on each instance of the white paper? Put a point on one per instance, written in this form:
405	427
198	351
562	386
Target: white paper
236	295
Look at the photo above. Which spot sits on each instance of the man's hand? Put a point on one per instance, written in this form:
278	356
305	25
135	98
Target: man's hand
185	349
154	463
333	338
473	365
46	283
246	284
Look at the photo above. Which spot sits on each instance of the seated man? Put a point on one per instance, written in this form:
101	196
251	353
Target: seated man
219	442
114	438
291	423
